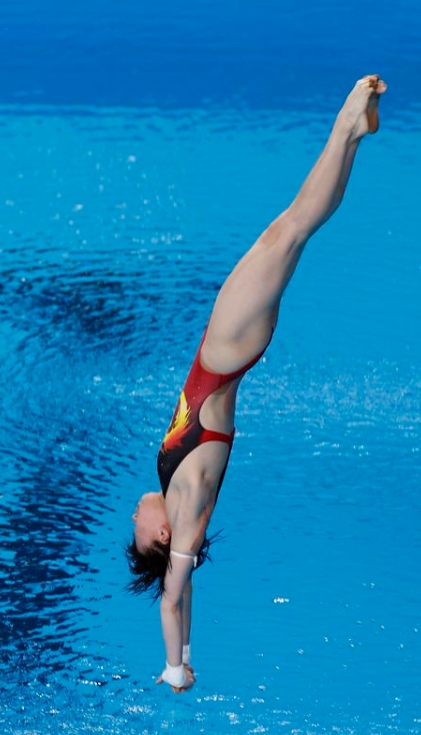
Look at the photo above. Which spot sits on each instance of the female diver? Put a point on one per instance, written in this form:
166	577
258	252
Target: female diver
169	537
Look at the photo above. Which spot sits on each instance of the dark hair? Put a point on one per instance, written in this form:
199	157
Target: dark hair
149	568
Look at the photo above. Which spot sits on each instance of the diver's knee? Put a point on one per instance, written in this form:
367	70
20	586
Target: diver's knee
284	234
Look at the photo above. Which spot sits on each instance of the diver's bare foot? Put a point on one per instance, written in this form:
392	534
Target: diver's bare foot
359	114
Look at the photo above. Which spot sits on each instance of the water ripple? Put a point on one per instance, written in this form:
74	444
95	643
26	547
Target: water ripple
117	228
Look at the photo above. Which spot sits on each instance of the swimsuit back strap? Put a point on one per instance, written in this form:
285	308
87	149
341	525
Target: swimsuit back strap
208	435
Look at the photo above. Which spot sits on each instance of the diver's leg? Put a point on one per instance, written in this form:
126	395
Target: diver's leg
246	308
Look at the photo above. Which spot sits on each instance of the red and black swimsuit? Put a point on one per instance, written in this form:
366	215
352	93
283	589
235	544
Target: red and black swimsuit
185	432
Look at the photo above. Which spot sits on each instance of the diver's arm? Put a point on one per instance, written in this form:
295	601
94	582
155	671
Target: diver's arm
175	608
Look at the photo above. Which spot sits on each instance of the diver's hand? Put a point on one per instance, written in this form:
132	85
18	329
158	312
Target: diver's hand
169	676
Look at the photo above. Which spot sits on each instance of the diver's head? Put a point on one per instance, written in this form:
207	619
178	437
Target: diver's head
149	552
151	522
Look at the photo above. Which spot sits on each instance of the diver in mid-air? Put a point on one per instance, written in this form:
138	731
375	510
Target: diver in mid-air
170	525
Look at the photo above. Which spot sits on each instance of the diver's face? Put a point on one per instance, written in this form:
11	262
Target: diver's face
151	522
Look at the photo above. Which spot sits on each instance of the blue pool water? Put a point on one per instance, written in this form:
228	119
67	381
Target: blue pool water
143	150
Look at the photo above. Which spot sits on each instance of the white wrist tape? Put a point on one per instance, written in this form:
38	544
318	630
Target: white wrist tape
174	675
186	654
